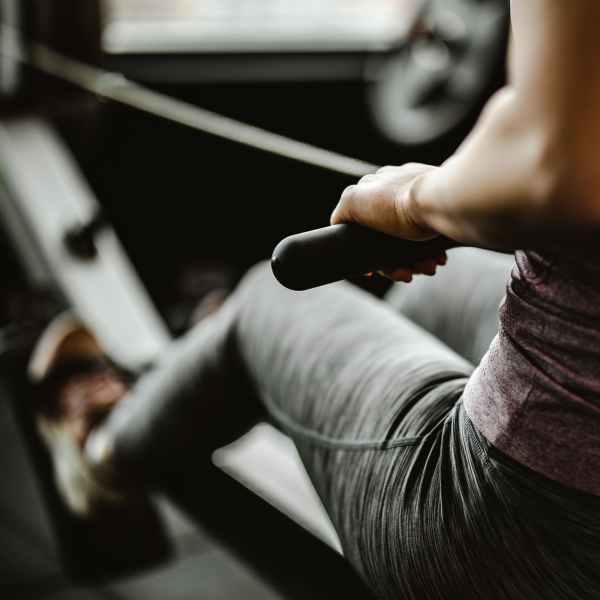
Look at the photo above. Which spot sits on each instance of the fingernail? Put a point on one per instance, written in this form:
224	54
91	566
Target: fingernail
426	267
430	267
402	275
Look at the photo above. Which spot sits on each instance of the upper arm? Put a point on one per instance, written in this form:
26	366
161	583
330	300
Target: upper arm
530	161
554	71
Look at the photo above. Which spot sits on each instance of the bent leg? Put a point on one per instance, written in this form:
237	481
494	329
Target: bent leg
373	404
355	385
333	362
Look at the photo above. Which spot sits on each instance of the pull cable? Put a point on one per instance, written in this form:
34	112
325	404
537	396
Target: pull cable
115	87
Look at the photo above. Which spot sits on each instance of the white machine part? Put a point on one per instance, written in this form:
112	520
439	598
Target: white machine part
44	197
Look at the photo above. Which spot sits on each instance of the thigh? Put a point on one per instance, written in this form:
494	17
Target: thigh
335	364
455	519
374	406
358	388
460	304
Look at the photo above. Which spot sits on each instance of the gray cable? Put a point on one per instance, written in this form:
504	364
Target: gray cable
116	87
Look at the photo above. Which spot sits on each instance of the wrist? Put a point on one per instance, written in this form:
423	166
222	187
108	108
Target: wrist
414	208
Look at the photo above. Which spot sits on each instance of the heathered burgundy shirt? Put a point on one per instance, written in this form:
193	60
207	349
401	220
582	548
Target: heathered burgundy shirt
536	394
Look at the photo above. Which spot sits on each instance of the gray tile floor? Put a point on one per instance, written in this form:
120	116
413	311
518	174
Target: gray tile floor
29	565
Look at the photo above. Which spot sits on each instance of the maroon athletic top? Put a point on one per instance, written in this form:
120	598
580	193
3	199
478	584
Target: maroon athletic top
536	394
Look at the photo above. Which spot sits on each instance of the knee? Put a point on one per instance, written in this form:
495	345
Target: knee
259	271
258	275
258	280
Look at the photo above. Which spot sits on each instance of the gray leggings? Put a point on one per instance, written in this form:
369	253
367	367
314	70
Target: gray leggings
371	396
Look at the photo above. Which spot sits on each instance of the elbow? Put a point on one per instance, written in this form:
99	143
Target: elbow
552	163
561	193
564	181
545	186
560	185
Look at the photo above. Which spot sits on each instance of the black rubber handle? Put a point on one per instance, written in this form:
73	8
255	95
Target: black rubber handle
313	258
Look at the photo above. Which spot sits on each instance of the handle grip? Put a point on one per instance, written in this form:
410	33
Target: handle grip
314	258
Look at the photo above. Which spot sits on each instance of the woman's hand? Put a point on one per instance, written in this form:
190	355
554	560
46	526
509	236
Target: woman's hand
382	201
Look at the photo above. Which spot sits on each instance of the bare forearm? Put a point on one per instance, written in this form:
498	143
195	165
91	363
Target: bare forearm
509	185
529	168
527	176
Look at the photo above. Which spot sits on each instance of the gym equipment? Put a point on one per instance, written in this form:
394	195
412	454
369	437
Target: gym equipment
252	40
427	64
113	86
44	200
440	78
255	26
314	258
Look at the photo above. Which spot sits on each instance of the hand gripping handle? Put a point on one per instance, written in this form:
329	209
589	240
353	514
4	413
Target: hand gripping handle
314	258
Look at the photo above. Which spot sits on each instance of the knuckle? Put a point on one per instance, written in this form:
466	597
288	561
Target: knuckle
348	193
367	178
